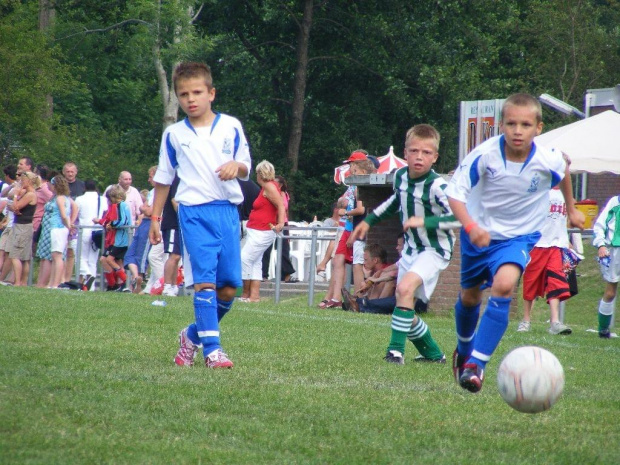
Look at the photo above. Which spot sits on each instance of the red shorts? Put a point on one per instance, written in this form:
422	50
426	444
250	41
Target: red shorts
544	275
342	248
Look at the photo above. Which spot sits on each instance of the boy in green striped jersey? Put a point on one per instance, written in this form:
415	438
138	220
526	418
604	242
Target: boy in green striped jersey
427	220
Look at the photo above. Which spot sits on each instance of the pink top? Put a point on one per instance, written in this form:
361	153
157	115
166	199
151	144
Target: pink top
43	195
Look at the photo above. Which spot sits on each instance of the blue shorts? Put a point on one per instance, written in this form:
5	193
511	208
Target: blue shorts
479	265
139	248
211	234
173	241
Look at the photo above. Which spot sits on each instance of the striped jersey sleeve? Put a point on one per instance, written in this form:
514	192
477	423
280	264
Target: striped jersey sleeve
421	197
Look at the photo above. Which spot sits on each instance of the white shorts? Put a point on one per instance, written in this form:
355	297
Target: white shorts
60	238
72	244
427	265
358	252
611	273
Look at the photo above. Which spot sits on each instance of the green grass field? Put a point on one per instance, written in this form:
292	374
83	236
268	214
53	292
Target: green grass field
89	378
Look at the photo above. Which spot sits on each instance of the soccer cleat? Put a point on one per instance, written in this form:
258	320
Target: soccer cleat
559	328
348	301
604	334
472	377
394	356
458	362
423	359
121	288
218	359
524	327
187	350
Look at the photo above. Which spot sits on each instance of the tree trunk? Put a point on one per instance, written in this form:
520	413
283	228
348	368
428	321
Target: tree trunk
299	87
47	13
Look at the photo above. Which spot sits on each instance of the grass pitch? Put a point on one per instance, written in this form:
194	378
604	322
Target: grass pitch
89	378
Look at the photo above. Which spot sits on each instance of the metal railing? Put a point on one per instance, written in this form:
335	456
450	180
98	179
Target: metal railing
314	238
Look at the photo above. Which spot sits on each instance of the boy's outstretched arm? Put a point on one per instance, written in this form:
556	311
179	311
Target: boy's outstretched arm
478	236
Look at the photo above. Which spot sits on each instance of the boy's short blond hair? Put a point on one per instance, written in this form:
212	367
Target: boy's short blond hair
152	170
116	194
423	131
524	100
266	171
190	70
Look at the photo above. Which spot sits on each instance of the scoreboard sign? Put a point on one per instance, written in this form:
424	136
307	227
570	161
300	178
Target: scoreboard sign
479	121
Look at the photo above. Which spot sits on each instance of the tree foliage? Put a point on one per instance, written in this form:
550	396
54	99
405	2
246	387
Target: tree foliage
311	80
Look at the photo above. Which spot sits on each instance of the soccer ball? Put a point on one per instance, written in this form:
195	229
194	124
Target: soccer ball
530	379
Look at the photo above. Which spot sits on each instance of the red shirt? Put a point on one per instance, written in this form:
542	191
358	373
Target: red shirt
263	212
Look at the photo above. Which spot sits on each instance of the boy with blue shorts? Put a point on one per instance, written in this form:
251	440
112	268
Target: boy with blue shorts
500	194
208	151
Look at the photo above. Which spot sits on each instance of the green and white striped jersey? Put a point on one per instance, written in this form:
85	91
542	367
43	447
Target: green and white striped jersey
421	197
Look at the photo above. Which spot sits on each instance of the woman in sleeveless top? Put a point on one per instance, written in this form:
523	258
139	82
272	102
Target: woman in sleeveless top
20	249
266	219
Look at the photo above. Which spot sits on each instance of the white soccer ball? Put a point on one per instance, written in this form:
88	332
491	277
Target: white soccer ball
530	379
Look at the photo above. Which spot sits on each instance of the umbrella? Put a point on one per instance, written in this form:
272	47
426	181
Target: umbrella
387	164
592	143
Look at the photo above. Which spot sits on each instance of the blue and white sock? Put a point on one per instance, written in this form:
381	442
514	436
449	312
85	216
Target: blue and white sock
466	319
223	307
492	327
205	310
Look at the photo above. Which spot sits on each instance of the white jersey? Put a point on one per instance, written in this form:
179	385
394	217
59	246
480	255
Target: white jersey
195	153
506	199
554	232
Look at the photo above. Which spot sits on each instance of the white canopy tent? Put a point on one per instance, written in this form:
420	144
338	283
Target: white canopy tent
593	144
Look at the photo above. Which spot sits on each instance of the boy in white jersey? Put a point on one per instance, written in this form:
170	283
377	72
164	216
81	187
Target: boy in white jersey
544	274
427	221
209	152
500	193
606	231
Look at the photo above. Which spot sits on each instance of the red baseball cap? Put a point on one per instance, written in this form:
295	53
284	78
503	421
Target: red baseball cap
356	156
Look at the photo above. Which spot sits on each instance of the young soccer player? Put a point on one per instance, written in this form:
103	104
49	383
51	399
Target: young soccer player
500	193
208	151
607	239
116	216
427	221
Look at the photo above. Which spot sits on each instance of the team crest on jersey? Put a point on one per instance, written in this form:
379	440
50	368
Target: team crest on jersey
227	148
534	183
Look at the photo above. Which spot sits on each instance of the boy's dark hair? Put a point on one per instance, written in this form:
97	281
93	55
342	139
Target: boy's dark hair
43	171
90	185
191	69
376	251
10	171
524	100
423	131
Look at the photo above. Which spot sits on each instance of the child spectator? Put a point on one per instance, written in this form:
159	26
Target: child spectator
116	217
364	167
607	239
344	247
336	220
209	152
500	194
427	221
544	274
173	242
135	259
